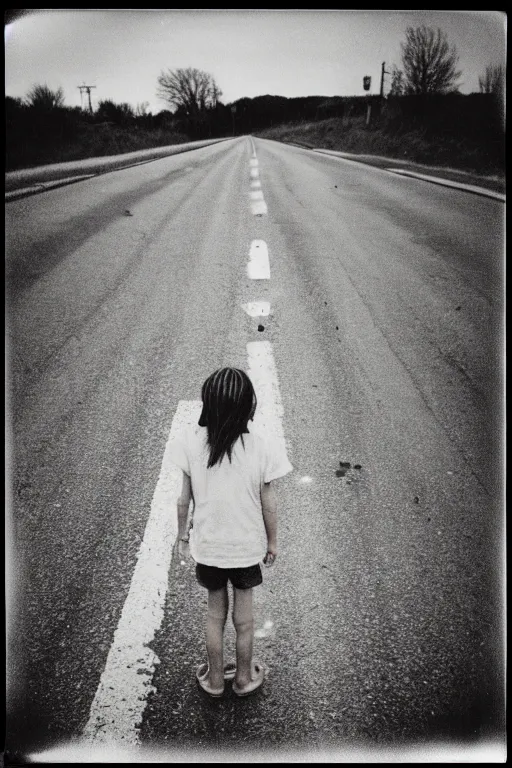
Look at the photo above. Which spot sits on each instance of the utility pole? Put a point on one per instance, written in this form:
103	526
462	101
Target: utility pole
384	72
87	89
367	83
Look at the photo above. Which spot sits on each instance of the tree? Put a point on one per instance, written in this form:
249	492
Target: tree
191	91
120	114
141	110
429	64
493	81
42	97
397	82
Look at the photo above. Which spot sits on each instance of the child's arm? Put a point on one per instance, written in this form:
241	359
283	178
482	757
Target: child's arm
183	505
269	509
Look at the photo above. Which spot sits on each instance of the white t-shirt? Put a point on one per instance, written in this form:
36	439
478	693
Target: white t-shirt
228	529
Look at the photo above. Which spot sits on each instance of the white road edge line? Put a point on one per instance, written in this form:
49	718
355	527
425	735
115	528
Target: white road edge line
117	709
258	267
448	183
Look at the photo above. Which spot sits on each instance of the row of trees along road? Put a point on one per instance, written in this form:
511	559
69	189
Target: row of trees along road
428	68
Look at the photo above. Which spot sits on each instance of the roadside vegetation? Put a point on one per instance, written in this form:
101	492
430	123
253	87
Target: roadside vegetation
36	135
423	119
459	132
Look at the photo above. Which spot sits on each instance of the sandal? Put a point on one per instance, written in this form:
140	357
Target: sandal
202	678
260	672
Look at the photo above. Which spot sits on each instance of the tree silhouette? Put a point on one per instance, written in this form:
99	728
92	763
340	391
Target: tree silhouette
493	81
429	64
190	91
42	97
120	114
142	109
397	82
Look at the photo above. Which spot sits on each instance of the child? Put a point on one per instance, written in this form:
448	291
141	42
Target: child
227	471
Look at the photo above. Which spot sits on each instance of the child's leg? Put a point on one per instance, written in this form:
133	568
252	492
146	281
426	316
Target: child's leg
217	614
243	620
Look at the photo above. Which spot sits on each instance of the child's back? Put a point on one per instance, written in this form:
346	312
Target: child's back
228	527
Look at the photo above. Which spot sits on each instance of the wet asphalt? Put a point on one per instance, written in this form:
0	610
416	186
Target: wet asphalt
381	622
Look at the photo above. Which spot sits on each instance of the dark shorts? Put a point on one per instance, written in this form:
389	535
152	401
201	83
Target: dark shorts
216	578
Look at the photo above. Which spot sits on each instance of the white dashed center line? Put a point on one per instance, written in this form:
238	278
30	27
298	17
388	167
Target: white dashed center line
262	371
257	308
259	208
258	267
258	204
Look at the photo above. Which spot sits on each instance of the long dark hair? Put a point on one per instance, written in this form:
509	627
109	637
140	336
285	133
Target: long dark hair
229	402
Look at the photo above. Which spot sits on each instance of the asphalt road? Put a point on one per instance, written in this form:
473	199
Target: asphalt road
382	620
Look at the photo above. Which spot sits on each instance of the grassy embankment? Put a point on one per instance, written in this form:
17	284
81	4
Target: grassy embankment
89	141
460	153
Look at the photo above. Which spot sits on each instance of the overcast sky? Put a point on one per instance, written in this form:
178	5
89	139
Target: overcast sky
249	53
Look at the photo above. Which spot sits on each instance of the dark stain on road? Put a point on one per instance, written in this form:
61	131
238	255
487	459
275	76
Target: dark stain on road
345	466
261	327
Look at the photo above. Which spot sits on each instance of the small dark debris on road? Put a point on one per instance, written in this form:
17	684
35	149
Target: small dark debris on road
261	327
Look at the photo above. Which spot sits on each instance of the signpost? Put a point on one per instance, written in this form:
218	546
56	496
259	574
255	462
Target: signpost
367	81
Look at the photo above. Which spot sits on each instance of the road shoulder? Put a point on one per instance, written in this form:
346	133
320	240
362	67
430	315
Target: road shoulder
450	176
